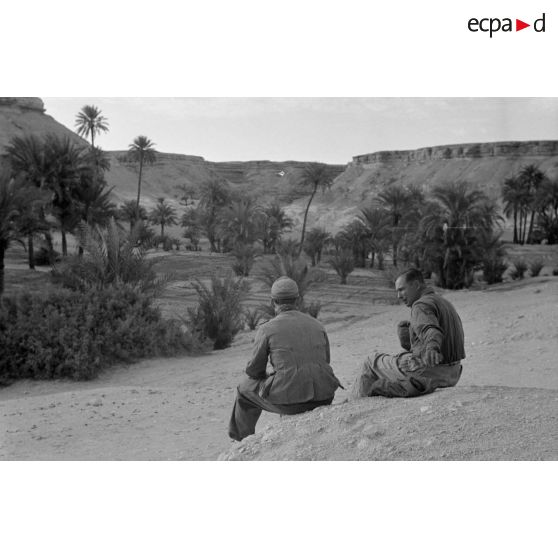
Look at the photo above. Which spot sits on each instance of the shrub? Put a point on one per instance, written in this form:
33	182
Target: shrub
252	318
42	256
111	257
343	263
219	313
493	270
294	267
535	266
520	267
77	334
244	254
555	271
493	262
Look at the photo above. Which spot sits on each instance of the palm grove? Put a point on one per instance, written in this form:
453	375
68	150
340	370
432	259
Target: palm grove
48	185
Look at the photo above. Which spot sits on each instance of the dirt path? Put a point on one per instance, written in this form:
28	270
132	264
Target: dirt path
179	408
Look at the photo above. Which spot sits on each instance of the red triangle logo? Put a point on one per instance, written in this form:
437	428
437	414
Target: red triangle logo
519	25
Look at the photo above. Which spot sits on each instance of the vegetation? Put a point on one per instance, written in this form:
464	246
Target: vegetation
13	199
520	266
90	122
219	314
314	176
274	222
214	197
142	151
343	263
163	214
112	258
316	240
535	267
77	334
294	267
454	232
531	198
245	255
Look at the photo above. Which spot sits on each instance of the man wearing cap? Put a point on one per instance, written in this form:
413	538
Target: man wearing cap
301	378
433	341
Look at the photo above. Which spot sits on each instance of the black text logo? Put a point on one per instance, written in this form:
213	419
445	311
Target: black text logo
493	25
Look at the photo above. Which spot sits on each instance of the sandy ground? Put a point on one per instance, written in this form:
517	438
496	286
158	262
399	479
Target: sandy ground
504	407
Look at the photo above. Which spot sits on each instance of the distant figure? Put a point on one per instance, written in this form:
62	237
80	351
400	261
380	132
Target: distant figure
297	347
433	342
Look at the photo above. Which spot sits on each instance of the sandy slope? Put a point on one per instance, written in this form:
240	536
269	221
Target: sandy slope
178	408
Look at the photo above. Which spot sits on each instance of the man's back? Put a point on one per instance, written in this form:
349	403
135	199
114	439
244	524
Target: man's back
298	350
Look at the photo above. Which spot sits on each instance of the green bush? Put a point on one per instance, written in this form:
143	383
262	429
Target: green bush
75	334
536	266
219	314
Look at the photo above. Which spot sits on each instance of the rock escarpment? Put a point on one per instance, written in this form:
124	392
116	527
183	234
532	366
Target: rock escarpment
464	151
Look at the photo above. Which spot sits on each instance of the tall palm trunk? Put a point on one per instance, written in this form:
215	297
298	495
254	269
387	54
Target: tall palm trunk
139	187
30	251
306	218
64	243
2	253
515	225
530	234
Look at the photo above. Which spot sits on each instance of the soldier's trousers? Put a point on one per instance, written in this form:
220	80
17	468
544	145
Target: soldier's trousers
402	376
248	407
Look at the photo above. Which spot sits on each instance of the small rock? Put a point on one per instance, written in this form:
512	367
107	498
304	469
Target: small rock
425	408
363	443
95	402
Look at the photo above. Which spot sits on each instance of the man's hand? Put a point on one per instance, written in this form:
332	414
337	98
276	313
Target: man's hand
432	357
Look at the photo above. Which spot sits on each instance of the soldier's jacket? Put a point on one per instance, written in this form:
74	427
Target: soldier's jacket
297	347
435	324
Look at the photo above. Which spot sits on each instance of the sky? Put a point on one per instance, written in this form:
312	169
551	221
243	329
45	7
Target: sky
326	129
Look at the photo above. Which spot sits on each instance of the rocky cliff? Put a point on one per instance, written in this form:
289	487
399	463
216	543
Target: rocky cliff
25	115
486	165
355	185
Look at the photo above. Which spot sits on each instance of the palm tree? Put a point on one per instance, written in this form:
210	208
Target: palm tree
15	196
27	156
512	194
128	212
274	223
396	200
163	214
214	196
356	237
242	221
531	178
70	168
90	122
377	221
343	263
316	240
313	176
454	229
141	151
190	221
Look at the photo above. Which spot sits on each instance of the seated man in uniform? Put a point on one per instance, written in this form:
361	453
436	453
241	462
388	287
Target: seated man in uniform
297	347
433	341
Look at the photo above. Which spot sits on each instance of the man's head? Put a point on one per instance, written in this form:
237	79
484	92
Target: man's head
409	286
284	291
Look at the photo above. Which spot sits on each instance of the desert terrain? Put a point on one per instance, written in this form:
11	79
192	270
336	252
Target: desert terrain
505	406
